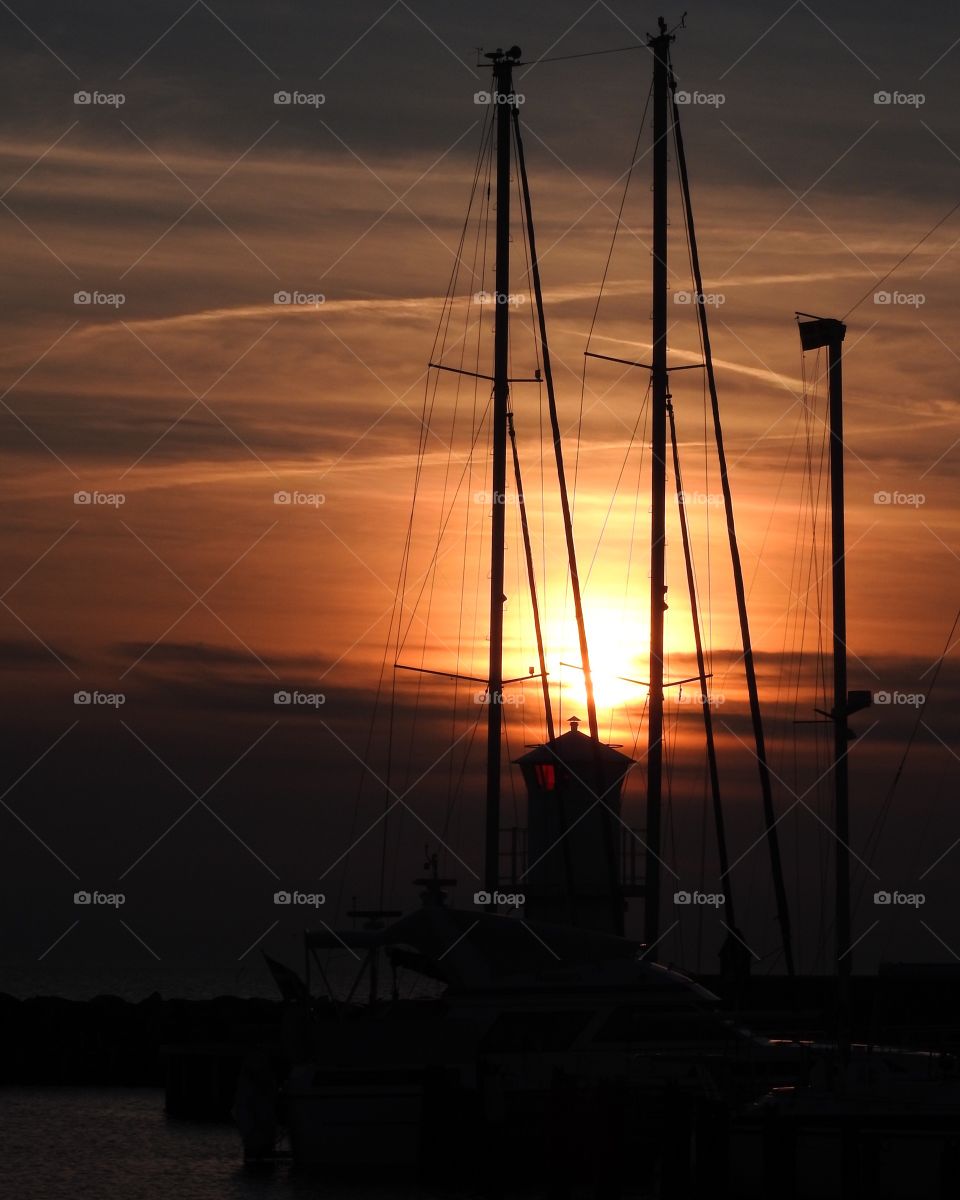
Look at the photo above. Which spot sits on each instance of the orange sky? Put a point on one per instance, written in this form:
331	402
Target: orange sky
200	398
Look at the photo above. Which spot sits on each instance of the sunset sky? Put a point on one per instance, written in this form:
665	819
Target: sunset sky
197	398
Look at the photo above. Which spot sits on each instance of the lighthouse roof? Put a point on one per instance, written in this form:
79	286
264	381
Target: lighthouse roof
574	748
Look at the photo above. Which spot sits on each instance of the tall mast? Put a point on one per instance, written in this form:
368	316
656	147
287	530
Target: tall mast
502	100
660	47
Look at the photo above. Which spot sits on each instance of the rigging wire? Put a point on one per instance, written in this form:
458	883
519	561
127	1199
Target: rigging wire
606	269
873	838
401	589
899	263
430	577
641	416
634	159
585	54
421	596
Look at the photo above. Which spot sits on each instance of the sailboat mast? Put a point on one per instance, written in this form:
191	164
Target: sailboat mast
840	732
816	333
502	93
660	46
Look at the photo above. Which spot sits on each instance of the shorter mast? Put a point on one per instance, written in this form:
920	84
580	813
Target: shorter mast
840	731
816	333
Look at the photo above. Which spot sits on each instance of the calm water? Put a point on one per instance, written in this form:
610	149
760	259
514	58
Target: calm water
117	1144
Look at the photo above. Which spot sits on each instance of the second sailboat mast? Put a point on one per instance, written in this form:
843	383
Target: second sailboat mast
660	47
502	99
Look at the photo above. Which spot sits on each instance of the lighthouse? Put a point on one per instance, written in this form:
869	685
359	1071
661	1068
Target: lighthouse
574	786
